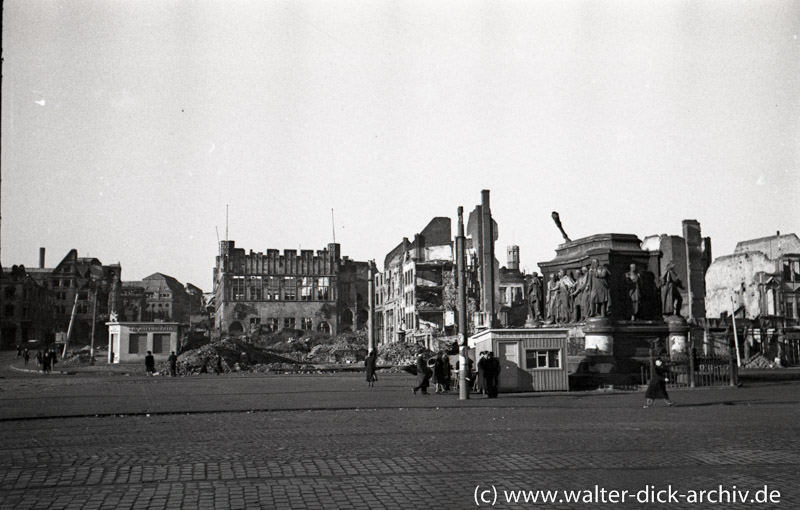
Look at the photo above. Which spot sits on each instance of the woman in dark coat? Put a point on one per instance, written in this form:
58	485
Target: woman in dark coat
423	375
439	374
369	363
657	387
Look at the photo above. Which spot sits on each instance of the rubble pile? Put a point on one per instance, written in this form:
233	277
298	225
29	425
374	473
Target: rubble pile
401	355
78	356
236	356
759	361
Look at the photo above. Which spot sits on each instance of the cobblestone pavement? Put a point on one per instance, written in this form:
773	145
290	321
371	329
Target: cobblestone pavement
330	442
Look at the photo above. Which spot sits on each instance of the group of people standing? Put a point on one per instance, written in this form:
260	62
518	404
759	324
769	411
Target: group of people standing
436	369
439	370
45	358
150	364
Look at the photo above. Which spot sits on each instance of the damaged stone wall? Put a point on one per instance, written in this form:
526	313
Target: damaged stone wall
735	275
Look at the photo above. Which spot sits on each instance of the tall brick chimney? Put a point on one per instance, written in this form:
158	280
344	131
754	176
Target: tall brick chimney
41	258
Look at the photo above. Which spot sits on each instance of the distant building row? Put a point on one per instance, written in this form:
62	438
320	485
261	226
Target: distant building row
38	302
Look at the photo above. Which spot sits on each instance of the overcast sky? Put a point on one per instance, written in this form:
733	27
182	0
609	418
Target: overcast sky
127	126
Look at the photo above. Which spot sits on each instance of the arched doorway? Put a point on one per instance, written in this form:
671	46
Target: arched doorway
236	328
324	327
347	316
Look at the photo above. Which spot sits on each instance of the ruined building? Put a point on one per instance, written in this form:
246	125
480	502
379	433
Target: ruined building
159	297
415	292
322	292
760	279
28	311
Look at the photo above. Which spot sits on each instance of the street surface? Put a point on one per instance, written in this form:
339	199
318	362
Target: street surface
99	440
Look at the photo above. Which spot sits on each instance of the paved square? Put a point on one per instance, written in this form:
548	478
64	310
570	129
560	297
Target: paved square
328	441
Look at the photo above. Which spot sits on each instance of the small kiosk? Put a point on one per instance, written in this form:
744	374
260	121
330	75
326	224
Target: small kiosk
130	341
530	359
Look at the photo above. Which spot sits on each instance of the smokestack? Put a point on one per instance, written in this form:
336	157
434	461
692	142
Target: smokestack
41	258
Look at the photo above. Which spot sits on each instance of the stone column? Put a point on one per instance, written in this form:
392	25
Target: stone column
599	336
678	335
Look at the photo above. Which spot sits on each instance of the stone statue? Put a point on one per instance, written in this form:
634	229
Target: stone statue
579	308
557	220
552	299
601	295
565	285
671	299
634	284
535	296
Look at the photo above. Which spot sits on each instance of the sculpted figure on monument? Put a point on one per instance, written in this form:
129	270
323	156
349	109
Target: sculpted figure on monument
535	297
552	299
565	284
671	299
579	295
601	295
634	284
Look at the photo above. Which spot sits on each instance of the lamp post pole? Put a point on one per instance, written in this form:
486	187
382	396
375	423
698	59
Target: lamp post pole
463	352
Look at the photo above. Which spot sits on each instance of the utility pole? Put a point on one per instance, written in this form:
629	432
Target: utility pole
370	317
71	322
461	306
94	322
735	334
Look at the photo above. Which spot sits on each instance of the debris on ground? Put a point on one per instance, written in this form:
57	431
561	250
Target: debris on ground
759	361
235	355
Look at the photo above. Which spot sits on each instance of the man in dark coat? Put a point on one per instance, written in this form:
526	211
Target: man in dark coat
149	364
491	371
480	384
657	387
369	364
173	364
423	375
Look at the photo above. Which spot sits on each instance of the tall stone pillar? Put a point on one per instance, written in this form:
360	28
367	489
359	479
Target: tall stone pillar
487	258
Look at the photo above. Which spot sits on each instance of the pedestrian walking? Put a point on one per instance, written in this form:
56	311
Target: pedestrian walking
19	350
149	364
657	387
447	371
26	355
46	362
218	368
40	360
438	374
491	373
423	375
173	364
369	364
480	382
53	360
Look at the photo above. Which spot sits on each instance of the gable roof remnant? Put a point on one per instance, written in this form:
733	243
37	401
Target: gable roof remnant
772	246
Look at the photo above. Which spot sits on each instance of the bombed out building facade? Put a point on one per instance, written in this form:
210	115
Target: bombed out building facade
305	291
